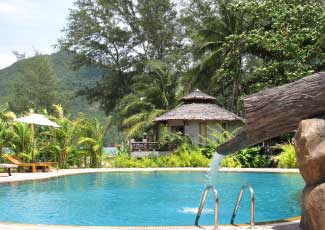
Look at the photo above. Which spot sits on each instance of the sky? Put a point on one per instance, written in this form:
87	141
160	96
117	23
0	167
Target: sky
29	25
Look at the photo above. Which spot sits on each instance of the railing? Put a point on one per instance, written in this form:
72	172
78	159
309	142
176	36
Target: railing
238	202
202	203
144	146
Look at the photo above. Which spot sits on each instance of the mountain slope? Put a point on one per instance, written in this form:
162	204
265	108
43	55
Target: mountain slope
68	83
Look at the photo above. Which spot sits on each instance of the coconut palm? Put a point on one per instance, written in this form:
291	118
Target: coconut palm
219	59
153	93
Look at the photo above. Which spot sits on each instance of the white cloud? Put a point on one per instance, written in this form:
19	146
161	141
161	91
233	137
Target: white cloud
7	8
25	24
6	59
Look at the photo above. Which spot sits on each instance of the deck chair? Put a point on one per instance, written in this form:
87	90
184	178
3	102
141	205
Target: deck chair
46	166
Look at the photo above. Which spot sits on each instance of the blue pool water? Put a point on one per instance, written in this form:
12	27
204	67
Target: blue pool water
146	198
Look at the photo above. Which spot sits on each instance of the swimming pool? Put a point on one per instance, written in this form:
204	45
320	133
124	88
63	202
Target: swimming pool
146	198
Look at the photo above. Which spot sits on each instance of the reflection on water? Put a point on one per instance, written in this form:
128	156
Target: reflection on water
195	210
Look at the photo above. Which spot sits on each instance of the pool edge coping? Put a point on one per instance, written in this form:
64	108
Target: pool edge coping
53	226
21	177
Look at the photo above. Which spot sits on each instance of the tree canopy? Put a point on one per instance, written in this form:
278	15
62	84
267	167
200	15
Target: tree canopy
227	48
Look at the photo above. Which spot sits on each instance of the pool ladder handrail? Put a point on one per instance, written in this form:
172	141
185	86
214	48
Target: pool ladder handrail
251	190
202	203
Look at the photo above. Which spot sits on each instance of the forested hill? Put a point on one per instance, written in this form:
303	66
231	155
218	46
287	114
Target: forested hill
67	83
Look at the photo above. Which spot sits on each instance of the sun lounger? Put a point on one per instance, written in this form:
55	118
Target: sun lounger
8	167
46	166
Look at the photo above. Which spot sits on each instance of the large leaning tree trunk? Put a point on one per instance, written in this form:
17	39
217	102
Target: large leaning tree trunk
277	111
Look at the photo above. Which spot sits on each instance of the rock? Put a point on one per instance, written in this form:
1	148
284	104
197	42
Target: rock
310	150
313	208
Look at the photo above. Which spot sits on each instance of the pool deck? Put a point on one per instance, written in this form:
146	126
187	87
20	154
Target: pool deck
292	224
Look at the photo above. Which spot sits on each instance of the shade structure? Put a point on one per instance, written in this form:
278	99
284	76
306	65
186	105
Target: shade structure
198	106
37	119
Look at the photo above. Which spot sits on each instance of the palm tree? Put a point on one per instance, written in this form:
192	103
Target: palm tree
6	131
62	140
218	68
153	93
22	140
93	139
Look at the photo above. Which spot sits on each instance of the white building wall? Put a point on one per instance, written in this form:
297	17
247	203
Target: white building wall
174	123
192	129
216	126
213	127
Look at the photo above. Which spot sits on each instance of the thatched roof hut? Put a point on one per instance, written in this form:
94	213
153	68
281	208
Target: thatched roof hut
198	106
199	116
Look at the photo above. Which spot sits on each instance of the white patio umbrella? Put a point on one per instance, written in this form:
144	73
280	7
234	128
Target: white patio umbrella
36	119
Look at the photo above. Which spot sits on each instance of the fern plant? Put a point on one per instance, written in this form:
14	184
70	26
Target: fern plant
287	158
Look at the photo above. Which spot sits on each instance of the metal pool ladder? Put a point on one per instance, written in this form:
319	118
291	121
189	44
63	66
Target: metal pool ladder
249	187
202	203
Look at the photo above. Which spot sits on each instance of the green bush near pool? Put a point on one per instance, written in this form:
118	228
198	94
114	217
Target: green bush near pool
186	156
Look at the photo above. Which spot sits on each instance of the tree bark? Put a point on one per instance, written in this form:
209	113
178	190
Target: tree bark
277	111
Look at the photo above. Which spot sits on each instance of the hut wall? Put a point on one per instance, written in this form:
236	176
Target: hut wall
213	127
217	126
174	123
192	129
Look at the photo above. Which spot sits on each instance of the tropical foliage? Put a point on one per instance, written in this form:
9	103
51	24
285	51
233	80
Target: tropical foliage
186	156
144	55
287	157
78	142
156	51
248	158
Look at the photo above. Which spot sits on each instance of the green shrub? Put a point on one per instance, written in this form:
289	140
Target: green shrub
247	158
230	162
171	141
287	158
123	150
187	155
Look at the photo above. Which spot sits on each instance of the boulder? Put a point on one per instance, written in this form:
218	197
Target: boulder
313	208
310	149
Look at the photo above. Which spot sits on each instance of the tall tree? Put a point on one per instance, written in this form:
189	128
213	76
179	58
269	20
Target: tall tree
120	35
217	62
153	93
37	87
246	46
285	37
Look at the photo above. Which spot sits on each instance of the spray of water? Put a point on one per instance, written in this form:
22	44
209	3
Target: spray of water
214	168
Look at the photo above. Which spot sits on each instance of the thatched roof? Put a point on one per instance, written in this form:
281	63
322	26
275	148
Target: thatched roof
198	96
199	111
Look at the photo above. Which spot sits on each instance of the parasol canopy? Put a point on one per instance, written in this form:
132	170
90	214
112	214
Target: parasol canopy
37	119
